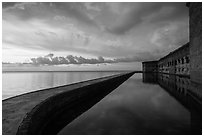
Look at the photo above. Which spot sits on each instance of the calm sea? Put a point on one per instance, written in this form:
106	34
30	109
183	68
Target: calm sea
142	105
15	83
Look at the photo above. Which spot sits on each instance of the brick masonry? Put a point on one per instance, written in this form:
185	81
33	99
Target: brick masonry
195	13
176	62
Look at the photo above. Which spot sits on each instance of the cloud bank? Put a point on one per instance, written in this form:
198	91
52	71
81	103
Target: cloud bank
50	59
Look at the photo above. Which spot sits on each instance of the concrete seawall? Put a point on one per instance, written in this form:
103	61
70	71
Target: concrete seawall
48	111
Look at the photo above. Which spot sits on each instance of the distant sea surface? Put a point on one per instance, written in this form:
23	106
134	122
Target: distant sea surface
16	83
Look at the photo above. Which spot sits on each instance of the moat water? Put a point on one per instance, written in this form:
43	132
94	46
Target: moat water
144	104
140	106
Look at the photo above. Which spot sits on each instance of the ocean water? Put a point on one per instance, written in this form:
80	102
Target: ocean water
15	83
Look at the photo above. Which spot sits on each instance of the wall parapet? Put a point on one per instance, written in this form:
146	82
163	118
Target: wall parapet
176	62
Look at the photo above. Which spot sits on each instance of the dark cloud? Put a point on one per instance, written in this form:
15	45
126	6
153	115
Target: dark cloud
137	15
171	12
9	4
50	10
75	10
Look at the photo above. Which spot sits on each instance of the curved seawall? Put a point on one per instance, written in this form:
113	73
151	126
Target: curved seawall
48	111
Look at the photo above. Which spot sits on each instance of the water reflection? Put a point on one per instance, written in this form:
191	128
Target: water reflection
149	78
139	106
181	89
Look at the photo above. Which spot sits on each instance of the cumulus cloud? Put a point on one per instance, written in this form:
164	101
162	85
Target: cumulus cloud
50	59
69	59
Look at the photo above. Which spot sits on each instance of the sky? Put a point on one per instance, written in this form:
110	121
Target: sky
92	32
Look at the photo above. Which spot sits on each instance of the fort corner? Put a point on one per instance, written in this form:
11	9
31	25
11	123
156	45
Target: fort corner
186	60
150	66
176	62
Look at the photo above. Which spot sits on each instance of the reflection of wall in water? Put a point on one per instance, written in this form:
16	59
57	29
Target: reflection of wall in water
176	85
179	88
149	78
181	85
